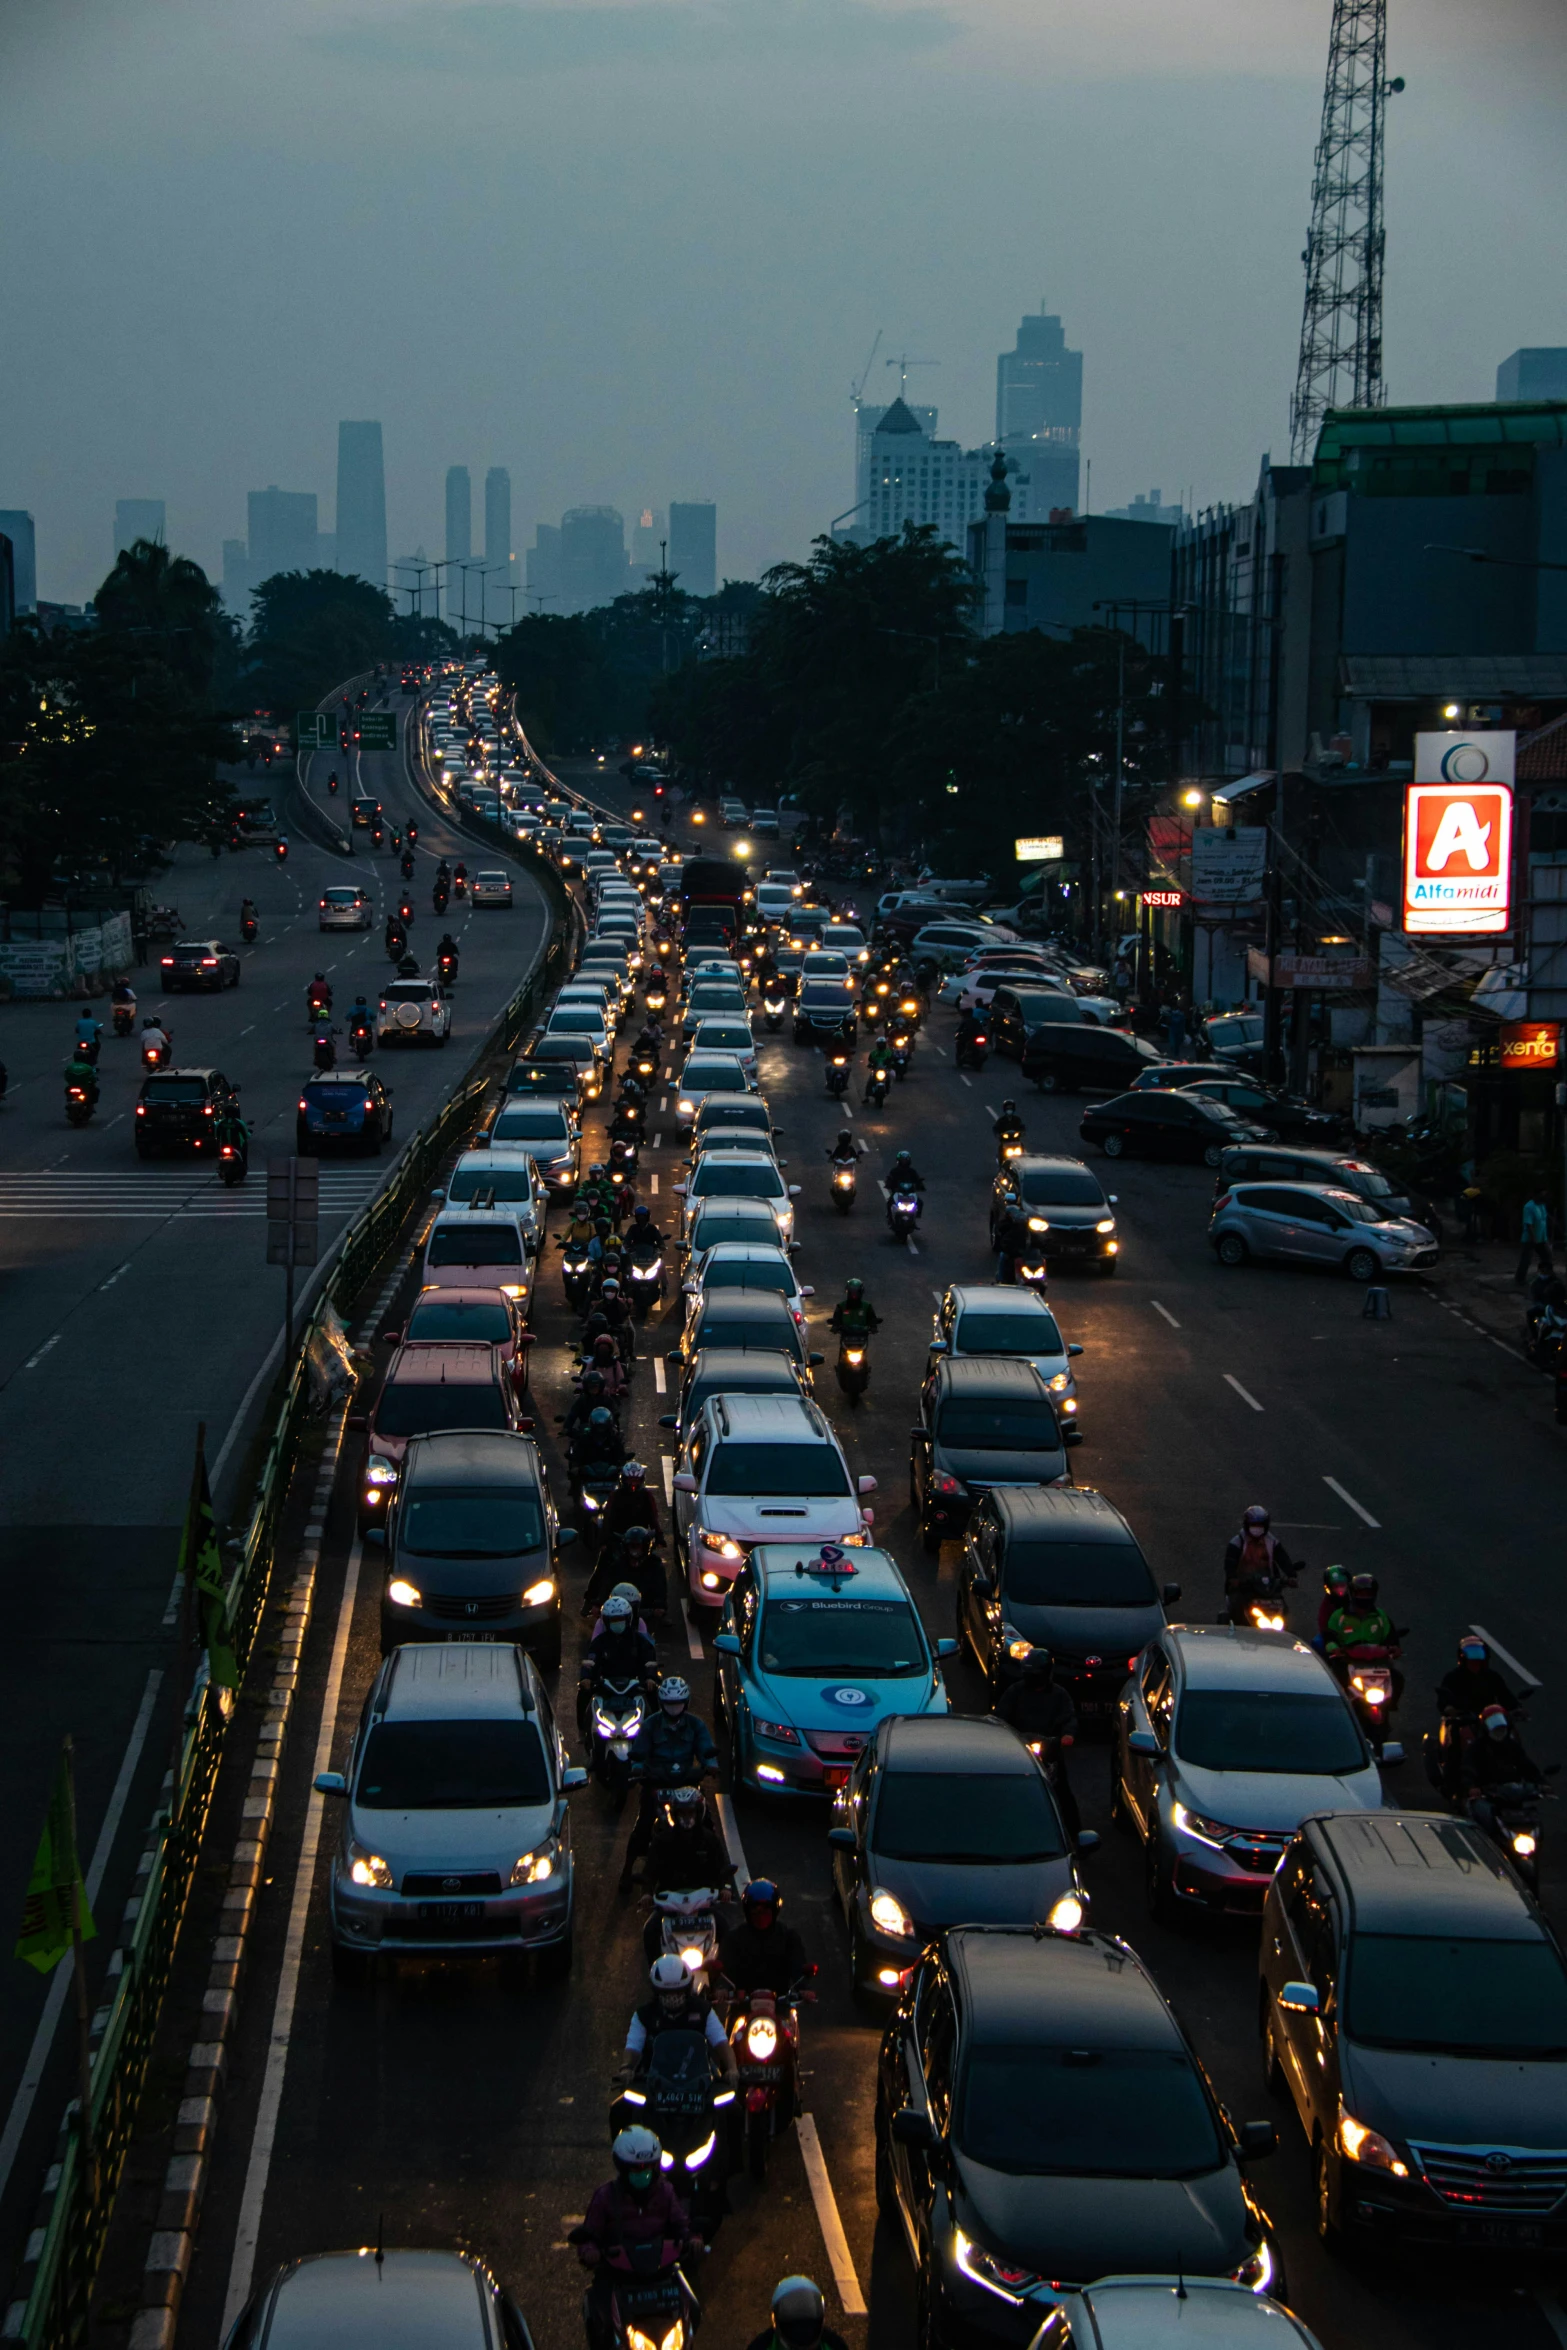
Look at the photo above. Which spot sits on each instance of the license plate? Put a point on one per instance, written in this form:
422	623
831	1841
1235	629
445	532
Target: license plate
491	1637
832	1778
762	2072
1518	2232
440	1911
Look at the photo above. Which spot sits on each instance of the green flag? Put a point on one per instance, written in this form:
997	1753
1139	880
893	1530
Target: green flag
201	1558
56	1882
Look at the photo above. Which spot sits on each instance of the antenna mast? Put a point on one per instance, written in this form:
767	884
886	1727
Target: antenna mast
1340	361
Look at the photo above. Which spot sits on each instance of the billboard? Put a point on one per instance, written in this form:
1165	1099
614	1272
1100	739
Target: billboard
1044	848
1458	836
1229	864
1531	1044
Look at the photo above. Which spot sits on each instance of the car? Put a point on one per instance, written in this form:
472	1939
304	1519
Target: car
719	999
974	989
701	965
1170	2312
604	960
1165	1124
461	1240
730	1219
544	1130
1041	2121
1057	1567
1068	1213
579	1053
706	1074
1271	1162
750	1318
725	1033
740	1175
345	907
731	1113
760	1468
471	1545
983	1422
429	1385
847	939
1311	1224
774	901
177	1109
490	887
624	931
1237	1038
413	1011
738	1264
946	1820
829	963
1226	1739
595	993
471	1317
764	824
444	2300
732	1370
1284	1114
801	1615
505	1179
198	963
349	1106
980	1319
1072	1051
549	1080
581	1020
824	1013
456	1838
1414	2012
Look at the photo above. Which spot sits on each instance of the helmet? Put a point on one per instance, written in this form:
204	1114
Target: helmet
637	1535
798	2314
854	1286
604	1348
601	1417
633	1472
1335	1579
638	2155
616	1611
1493	1720
672	1690
1039	1663
627	1591
1008	1104
670	1976
611	1287
592	1381
1256	1519
1363	1590
686	1805
641	1212
761	1902
1472	1650
902	1159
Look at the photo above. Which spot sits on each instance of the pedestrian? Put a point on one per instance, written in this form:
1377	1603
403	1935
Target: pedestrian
1123	978
1536	1238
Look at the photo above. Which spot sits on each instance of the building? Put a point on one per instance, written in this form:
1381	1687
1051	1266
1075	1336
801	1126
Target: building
593	568
459	515
1039	411
541	566
497	519
17	525
283	534
867	422
913	477
1533	375
360	548
648	534
693	548
7	586
237	578
137	518
1090	572
1149	509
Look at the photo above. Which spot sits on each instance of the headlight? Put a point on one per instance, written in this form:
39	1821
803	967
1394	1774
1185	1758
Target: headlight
539	1594
761	2038
368	1868
1039	1223
1000	2277
779	1732
1105	1224
1067	1914
686	1109
1523	1843
728	1549
695	2160
404	1594
1017	1646
534	1867
889	1914
1367	2147
1060	1383
379	1472
1206	1831
1256	2270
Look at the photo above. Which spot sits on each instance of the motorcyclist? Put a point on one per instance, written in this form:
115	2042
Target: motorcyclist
879	1056
89	1032
612	1313
854	1316
799	2320
79	1070
1497	1758
686	1852
634	1556
1009	1126
674	1748
597	1445
903	1175
318	996
1468	1687
1255	1558
633	1503
1042	1712
396	935
447	950
156	1037
638	2206
619	1649
644	1239
1335	1592
122	992
1362	1622
249	911
972	1026
848	1150
761	1953
676	2006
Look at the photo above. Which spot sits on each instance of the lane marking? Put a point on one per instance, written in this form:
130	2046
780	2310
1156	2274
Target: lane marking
1529	1680
731	1828
989	1111
669	1480
694	1646
33	1361
1551	2310
113	1277
660	1383
1245	1395
1344	1495
248	2232
38	2055
653	1185
963	1079
839	2258
658	1142
1159	1309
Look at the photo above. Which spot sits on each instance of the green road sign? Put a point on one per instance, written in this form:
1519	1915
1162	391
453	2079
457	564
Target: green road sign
378	730
315	730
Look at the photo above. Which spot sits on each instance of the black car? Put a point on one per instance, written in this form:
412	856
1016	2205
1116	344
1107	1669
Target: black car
553	1080
732	1370
1165	1124
470	1545
366	810
1041	2121
1059	1569
199	962
947	1820
1062	1058
752	1318
984	1421
1288	1115
179	1110
347	1107
1065	1209
1236	1039
823	1013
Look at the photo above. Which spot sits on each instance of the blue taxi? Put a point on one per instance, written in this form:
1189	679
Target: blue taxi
817	1645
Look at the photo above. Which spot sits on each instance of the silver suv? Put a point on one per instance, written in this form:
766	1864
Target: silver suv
1315	1224
456	1836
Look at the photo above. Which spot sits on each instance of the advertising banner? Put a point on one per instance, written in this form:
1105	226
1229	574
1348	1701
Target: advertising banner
1531	1044
1229	864
1458	836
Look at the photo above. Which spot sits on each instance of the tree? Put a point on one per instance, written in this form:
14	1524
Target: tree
312	629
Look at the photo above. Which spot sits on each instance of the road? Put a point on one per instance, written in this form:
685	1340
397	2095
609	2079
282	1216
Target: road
444	2108
138	1302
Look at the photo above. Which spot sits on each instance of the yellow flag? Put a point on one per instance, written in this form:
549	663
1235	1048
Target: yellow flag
55	1883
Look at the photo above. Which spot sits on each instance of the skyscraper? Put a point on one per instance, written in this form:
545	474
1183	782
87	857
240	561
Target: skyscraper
237	579
646	532
693	548
360	549
497	518
137	518
282	531
592	558
18	527
459	514
1039	411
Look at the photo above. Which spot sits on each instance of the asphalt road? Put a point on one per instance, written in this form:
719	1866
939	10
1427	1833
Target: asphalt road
444	2108
138	1302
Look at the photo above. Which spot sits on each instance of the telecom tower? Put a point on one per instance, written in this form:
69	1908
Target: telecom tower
1341	330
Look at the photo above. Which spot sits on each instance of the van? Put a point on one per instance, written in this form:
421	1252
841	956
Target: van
1017	1009
1063	1059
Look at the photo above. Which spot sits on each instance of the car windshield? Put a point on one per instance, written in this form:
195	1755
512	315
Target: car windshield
713	1077
723	1179
1227	1034
749	1273
174	1089
795	1472
341	897
476	1244
973	1424
1061	1187
476	1321
751	1116
744	1220
410	1407
576	1020
1499	1999
1077	1574
730	1036
1268	1730
879	1638
470	1525
1109	2113
1364	1211
989	1332
530	1126
976	1819
773	1331
506	1181
452	1766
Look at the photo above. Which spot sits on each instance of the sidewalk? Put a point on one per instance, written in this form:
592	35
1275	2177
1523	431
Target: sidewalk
1476	1280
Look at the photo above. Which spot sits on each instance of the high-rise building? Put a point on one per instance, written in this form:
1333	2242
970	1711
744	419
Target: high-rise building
1538	374
137	518
7	586
910	476
497	519
237	578
592	558
17	524
283	535
459	514
1039	411
541	566
867	420
1151	508
693	548
647	532
360	549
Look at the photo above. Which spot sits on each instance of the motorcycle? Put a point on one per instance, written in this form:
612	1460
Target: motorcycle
324	1053
679	2099
440	898
281	852
318	999
616	1711
904	1210
902	1053
876	1083
157	1056
577	1277
361	1039
656	996
1031	1276
406	864
1510	1816
838	1073
972	1050
1258	1602
645	1280
764	2032
124	1019
446	966
80	1102
88	1049
595	1485
459	885
233	1162
688	1929
845	1183
405	909
1544	1330
1009	1149
247	929
1368	1682
396	941
773	1009
650	2302
854	1367
645	1065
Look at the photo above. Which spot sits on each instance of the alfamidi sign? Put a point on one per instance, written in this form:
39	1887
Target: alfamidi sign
1458	836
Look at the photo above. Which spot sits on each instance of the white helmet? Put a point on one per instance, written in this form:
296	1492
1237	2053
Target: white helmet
672	1690
636	2149
669	1975
616	1610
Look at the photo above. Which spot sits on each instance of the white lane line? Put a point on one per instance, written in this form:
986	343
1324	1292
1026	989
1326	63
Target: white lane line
963	1079
113	1277
1374	1523
839	2259
694	1646
731	1828
669	1481
660	1383
38	2055
658	1142
33	1361
1244	1393
246	1031
1551	2310
989	1111
248	2231
663	1105
1159	1309
653	1185
1529	1680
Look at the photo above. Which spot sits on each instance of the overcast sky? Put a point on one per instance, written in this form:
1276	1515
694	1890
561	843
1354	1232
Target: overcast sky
638	251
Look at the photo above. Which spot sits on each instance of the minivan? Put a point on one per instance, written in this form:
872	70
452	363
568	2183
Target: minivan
1062	1059
471	1543
1059	1568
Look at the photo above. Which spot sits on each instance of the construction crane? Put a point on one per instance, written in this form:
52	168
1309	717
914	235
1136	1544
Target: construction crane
1340	362
903	363
857	390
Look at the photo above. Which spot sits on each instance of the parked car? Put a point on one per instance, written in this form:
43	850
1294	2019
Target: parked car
1310	1224
348	1106
760	1468
1236	1037
1069	1215
1065	1056
1165	1125
1058	1568
984	1422
1270	1162
472	1537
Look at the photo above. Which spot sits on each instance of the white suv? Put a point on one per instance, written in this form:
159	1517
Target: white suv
760	1468
413	1011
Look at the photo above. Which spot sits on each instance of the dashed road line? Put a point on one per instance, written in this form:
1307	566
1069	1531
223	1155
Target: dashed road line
839	2258
33	1361
1360	1511
1244	1393
1159	1309
694	1648
114	1276
669	1480
965	1080
660	1383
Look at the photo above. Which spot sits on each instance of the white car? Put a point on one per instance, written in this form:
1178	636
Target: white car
413	1011
346	908
971	991
726	1032
509	1181
741	1264
705	1074
491	888
581	1020
545	1131
760	1468
734	1175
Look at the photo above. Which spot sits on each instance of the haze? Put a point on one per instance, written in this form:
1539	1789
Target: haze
638	252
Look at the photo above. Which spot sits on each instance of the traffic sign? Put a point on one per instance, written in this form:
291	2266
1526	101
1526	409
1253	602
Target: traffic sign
315	730
378	730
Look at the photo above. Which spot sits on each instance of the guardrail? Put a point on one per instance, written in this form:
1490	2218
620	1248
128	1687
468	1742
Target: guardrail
52	2310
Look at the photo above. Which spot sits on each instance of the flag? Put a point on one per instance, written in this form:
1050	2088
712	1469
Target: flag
56	1881
200	1558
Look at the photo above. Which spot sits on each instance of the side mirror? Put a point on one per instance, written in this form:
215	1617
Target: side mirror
726	1644
1392	1752
358	1420
565	1536
377	1536
807	1289
388	1338
867	1485
946	1648
1257	2139
438	1194
330	1783
816	1358
680	1187
1113	1197
1169	1593
1300	1999
940	1346
669	1419
794	1191
1144	1742
1087	1843
574	1776
914	2129
843	1838
684	1481
673	1356
1074	1349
